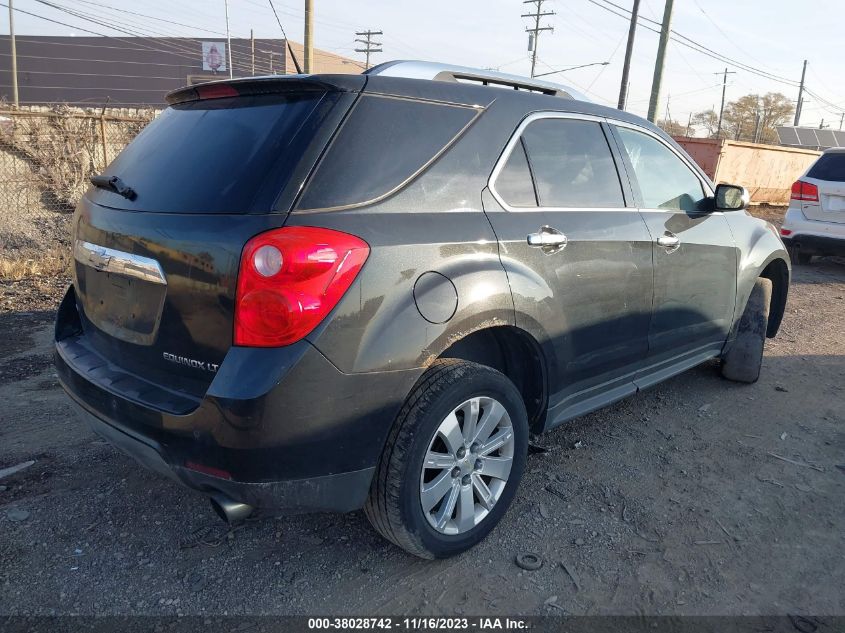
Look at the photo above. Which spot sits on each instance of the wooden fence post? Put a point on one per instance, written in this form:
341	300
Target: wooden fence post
103	137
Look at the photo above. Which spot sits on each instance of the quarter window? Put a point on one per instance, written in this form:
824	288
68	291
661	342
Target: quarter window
384	143
514	183
665	181
571	164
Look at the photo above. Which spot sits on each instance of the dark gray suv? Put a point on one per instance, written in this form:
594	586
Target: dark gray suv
336	292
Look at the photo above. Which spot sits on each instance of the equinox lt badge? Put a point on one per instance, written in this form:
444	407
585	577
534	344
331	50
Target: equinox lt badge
190	362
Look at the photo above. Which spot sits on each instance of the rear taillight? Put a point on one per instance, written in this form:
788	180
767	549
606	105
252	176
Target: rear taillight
290	279
805	191
216	91
786	232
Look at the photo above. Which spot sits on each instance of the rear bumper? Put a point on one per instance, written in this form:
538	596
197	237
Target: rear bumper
283	428
342	492
813	236
815	244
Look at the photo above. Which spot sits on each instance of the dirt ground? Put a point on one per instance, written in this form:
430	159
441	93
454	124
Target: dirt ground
697	497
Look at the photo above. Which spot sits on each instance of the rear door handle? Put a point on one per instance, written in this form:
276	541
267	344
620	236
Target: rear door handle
547	238
669	241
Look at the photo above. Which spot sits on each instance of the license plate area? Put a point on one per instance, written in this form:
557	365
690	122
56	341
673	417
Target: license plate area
835	204
120	293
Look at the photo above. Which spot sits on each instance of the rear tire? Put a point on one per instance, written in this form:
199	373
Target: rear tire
745	357
437	442
797	257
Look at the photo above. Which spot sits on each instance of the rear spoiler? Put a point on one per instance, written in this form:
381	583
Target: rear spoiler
273	84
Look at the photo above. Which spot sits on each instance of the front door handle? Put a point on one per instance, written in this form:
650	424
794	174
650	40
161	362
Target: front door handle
547	238
669	241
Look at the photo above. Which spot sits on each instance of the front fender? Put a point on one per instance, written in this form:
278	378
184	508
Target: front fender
758	245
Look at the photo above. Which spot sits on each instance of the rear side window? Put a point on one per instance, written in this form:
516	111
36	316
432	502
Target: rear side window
571	164
829	167
384	143
212	156
664	179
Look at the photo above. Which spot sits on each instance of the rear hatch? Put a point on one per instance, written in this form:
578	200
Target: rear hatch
828	174
156	265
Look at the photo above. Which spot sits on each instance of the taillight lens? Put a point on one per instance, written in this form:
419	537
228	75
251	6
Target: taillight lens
216	91
290	279
806	191
786	232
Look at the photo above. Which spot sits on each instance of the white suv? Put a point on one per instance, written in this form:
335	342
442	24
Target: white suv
815	221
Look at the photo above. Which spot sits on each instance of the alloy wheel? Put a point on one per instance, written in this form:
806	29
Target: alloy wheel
467	465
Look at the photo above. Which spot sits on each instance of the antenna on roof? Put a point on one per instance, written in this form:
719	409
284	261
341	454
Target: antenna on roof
287	41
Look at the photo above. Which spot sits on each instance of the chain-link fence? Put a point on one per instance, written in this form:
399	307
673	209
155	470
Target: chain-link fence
47	155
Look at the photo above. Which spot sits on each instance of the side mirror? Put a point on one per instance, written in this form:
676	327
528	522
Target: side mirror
732	198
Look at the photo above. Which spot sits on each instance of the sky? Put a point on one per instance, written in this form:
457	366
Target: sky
772	36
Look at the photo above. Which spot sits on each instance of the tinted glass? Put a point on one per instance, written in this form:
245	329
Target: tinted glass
665	181
829	167
212	156
572	164
514	183
383	143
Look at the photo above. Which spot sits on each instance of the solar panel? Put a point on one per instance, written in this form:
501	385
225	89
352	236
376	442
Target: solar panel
787	135
807	136
826	138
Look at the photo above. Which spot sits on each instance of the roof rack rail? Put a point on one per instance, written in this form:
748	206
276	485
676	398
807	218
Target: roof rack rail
444	72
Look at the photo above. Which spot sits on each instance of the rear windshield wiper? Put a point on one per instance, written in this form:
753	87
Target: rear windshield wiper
114	184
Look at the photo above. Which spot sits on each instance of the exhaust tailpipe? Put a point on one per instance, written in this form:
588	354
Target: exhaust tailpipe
230	511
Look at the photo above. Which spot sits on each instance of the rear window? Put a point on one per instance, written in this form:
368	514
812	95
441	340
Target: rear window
829	167
213	156
384	143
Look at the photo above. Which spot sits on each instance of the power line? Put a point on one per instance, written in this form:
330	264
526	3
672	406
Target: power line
167	45
144	15
175	48
683	40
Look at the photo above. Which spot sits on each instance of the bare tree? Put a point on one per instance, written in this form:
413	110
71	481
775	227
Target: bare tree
672	128
747	114
708	120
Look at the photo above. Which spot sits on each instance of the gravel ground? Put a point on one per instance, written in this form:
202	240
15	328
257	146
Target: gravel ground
697	497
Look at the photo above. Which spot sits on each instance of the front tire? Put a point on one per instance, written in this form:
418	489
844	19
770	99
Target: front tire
744	359
452	462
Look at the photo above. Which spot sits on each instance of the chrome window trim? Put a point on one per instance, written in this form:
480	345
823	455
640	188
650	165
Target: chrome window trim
514	139
111	260
707	186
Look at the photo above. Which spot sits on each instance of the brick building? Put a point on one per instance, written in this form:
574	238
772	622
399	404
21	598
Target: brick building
130	71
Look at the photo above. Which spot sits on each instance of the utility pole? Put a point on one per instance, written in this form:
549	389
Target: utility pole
722	107
369	45
228	39
252	49
534	33
309	37
14	54
800	96
841	120
629	50
659	62
758	122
